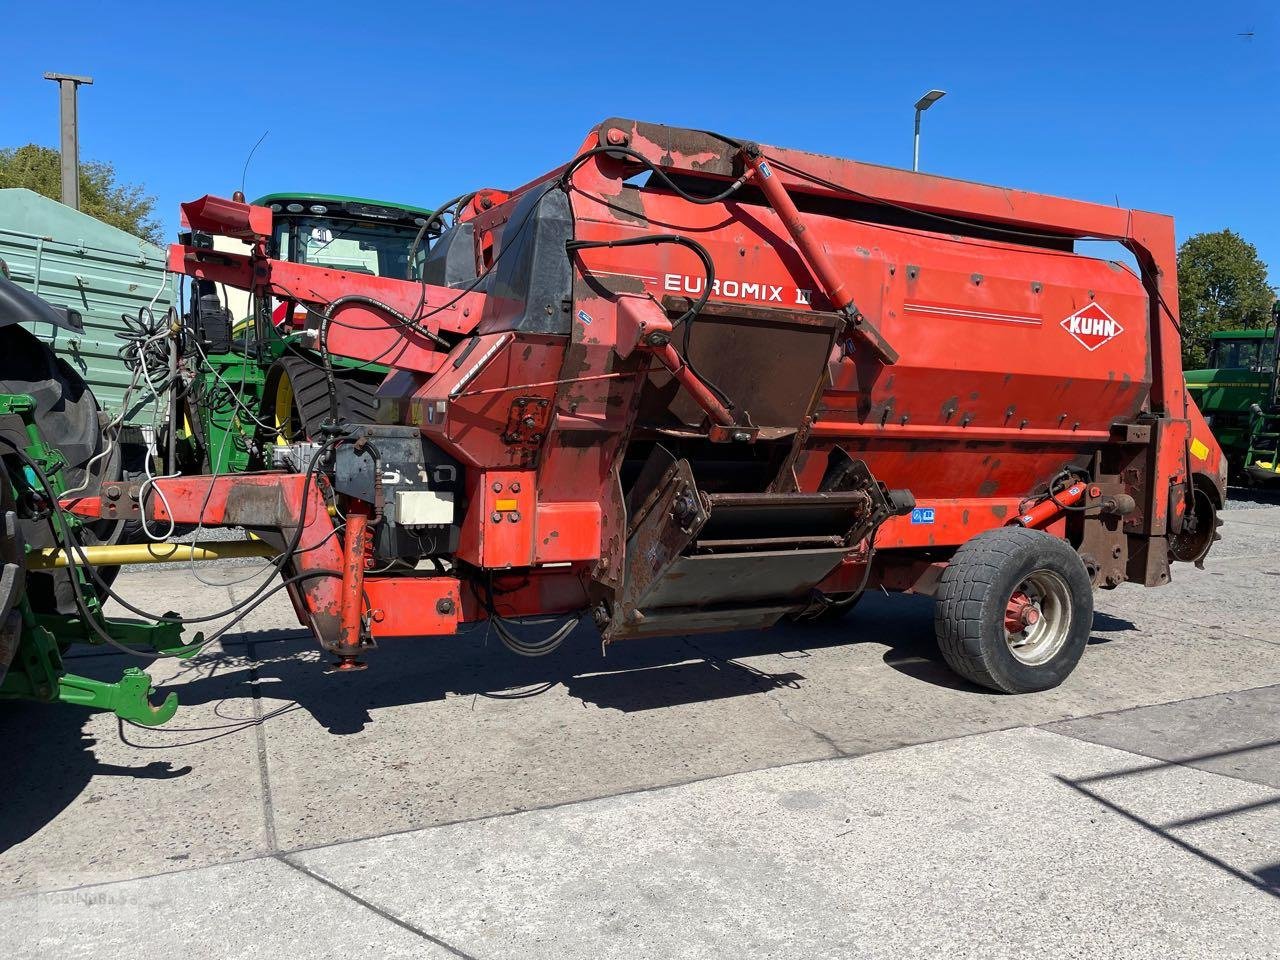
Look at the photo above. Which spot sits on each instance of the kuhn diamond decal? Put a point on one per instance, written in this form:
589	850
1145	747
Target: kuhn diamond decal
1092	326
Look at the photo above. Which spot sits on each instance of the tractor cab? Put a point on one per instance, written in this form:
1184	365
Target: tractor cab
1237	377
260	382
348	233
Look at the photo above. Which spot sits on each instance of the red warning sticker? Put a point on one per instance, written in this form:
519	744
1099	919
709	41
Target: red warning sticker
1092	326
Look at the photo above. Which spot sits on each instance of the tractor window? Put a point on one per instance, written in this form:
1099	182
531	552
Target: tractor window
1239	354
377	249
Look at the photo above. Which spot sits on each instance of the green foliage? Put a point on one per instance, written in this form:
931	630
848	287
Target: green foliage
122	205
1222	285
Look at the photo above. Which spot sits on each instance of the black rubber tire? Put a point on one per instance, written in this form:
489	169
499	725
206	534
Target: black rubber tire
68	417
974	593
357	392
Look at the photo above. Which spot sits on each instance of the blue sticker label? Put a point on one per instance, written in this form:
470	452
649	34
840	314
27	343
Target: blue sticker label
922	515
584	317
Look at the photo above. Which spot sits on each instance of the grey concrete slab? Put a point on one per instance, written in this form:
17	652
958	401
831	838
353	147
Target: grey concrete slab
1012	844
89	800
245	910
1234	734
1229	598
441	730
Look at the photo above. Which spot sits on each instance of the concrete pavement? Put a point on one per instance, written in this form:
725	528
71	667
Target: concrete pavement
805	792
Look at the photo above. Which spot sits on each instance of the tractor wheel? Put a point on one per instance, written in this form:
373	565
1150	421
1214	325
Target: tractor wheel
67	416
1014	610
297	397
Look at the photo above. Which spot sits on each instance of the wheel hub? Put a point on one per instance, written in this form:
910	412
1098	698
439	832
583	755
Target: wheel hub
1021	612
1037	617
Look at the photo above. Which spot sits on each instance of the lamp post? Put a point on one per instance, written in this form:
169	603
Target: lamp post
68	84
923	104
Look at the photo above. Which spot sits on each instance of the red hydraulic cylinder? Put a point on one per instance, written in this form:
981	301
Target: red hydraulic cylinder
354	550
1046	511
833	285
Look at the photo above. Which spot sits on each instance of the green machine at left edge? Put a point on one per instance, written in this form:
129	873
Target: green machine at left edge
33	642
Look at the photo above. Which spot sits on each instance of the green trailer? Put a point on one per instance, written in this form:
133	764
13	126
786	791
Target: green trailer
73	260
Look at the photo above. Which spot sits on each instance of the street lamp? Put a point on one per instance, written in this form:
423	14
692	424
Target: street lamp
68	84
923	104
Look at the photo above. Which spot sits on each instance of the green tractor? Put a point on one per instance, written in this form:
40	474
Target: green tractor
1237	393
259	381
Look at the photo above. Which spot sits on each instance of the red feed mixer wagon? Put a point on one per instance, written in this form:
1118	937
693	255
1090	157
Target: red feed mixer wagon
687	383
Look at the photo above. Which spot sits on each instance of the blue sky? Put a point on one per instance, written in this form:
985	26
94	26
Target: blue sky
1157	104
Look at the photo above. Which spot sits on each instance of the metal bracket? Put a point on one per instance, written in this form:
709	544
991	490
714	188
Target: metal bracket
127	698
527	421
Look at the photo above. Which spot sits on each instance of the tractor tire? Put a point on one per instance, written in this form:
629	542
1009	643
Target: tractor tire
67	416
1014	610
297	396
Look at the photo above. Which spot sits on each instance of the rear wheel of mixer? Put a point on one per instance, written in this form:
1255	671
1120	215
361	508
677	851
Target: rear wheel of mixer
1014	610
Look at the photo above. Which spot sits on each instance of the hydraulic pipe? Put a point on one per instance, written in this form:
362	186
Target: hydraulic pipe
824	270
1046	511
350	622
111	555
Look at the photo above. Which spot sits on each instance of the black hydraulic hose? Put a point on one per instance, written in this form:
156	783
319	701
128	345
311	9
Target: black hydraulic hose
580	159
695	308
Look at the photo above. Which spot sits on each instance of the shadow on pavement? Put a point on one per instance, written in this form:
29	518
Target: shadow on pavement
1265	879
51	757
285	665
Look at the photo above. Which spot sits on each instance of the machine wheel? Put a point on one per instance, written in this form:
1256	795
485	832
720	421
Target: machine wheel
1014	610
67	415
298	397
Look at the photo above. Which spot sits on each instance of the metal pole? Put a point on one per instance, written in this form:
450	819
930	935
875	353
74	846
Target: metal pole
915	153
68	84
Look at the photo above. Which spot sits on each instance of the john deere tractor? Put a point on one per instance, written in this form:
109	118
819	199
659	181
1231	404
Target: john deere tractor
1237	392
253	378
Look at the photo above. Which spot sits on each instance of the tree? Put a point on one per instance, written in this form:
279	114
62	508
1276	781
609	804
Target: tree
122	205
1222	285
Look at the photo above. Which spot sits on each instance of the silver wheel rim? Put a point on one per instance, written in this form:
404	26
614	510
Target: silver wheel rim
1049	596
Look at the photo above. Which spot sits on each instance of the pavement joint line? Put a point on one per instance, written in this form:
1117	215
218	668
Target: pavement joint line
654	788
846	755
372	907
1186	763
260	739
503	814
1184	621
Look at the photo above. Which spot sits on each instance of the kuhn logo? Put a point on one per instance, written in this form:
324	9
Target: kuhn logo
1092	326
